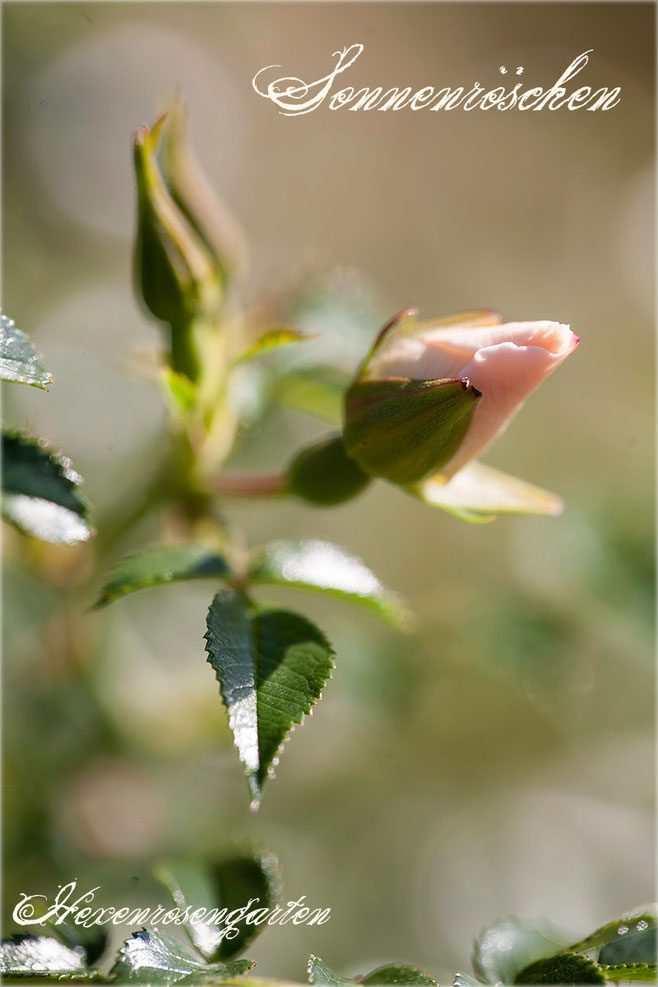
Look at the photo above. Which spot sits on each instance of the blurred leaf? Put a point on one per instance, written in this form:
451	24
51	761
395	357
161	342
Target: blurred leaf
271	666
465	980
40	492
634	971
327	568
273	339
397	973
151	957
163	564
505	947
321	974
178	390
478	493
42	956
323	474
566	968
226	884
19	361
318	392
628	939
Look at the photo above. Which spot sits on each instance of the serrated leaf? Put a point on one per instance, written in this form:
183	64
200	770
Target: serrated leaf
478	493
321	974
225	884
40	492
318	392
628	939
19	361
271	666
566	968
163	564
273	339
645	972
43	956
504	948
326	568
152	957
397	973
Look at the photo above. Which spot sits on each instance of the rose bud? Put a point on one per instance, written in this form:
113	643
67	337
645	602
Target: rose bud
477	371
175	272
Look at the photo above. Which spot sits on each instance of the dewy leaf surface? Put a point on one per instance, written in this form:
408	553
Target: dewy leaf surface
150	957
40	492
271	666
327	568
19	361
628	939
163	564
226	884
321	974
397	973
42	956
644	972
566	968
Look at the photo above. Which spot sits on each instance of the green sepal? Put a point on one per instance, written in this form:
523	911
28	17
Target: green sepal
323	474
404	430
175	272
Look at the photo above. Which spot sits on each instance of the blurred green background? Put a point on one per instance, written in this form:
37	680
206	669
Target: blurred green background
501	759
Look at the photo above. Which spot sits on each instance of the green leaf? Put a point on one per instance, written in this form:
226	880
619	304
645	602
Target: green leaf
323	474
273	339
318	392
271	666
228	884
478	493
163	564
631	971
320	973
628	939
40	492
150	957
179	392
397	973
43	956
326	568
566	968
505	947
19	361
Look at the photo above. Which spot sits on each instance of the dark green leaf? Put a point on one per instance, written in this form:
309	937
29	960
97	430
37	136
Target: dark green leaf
271	666
321	974
227	884
163	564
42	956
19	361
151	957
628	939
566	968
326	568
631	971
318	392
397	973
506	947
323	474
40	492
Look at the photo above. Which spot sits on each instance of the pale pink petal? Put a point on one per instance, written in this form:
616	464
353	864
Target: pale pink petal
506	374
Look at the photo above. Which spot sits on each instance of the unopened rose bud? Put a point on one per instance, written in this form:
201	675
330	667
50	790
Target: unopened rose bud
193	195
502	365
175	272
